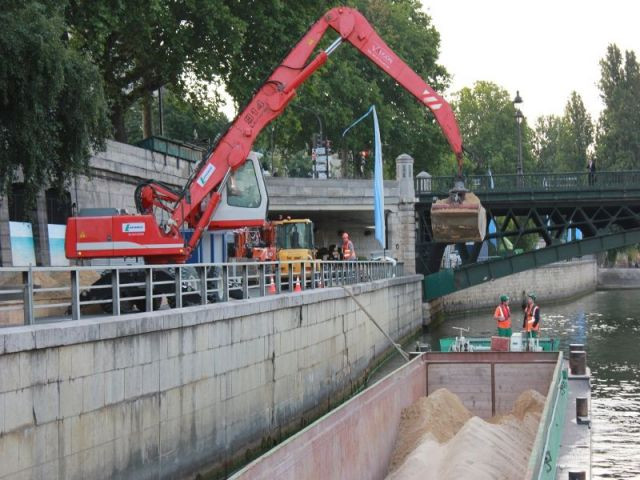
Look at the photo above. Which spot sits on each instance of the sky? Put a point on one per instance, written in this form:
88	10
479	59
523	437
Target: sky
543	48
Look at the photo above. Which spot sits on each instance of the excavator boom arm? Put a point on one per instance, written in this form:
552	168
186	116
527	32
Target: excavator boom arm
202	194
279	89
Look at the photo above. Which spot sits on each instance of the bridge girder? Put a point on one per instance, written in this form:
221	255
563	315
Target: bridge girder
549	221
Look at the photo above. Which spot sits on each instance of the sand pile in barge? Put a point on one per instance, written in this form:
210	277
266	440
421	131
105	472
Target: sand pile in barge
440	439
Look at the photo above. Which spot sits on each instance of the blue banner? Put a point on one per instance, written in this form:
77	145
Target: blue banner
378	177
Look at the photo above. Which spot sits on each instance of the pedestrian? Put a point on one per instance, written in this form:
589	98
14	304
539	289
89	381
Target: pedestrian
531	324
295	238
591	167
503	317
348	252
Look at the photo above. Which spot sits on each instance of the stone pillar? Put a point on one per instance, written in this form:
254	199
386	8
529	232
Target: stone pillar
423	179
5	237
41	231
404	175
402	224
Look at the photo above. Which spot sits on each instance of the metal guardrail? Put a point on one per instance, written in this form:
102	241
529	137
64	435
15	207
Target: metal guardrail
533	182
49	294
447	281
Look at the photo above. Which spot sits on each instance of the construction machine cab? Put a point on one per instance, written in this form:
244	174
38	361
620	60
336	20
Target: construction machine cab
244	200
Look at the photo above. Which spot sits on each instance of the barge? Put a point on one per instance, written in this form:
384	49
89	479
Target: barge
356	440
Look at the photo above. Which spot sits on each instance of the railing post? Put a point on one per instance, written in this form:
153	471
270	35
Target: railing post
115	291
178	287
75	295
224	287
290	270
262	280
278	274
27	280
313	275
303	276
245	280
148	289
202	270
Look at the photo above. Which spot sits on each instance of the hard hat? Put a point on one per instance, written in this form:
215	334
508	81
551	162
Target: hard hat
531	295
504	298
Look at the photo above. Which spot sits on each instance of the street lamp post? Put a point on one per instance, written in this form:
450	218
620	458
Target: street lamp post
519	119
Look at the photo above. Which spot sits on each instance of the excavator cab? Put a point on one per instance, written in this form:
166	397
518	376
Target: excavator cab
458	218
244	199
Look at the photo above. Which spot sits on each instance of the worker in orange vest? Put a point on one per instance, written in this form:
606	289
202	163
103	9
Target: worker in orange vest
348	252
531	323
503	317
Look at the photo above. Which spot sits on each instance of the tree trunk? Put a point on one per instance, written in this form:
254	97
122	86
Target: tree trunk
119	129
147	115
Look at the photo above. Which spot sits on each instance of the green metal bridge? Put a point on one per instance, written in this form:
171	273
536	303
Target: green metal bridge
529	218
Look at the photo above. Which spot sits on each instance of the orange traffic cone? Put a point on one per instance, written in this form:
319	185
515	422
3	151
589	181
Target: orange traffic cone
272	287
297	288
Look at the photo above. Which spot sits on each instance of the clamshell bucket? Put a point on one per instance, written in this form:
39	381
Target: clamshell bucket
458	218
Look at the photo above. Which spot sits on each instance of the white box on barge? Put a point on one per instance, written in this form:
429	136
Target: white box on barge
356	440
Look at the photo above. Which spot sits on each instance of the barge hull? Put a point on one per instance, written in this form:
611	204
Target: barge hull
356	440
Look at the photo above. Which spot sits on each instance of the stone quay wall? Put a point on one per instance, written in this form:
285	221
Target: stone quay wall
618	278
551	283
169	393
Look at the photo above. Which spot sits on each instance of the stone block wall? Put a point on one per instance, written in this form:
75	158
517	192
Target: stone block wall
551	283
116	172
618	278
163	394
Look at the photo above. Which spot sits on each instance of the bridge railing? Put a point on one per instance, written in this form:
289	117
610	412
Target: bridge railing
532	182
31	295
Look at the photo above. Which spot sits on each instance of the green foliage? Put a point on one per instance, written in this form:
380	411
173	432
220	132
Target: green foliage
562	144
548	133
52	108
141	46
486	116
185	119
618	139
580	133
349	84
299	165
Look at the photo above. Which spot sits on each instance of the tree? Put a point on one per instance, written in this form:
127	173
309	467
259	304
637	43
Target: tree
185	119
548	135
52	108
562	144
141	46
618	138
349	84
487	122
579	129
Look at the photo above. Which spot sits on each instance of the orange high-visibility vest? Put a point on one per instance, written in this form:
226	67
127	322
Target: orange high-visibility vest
529	318
346	251
503	316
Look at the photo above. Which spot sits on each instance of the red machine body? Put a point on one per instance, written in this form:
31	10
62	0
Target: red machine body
93	237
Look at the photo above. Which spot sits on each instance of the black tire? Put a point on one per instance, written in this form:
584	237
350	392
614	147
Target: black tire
141	305
107	307
125	307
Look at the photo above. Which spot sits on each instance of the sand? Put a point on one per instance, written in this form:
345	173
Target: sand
440	439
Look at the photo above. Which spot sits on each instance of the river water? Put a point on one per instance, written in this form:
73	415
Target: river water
608	323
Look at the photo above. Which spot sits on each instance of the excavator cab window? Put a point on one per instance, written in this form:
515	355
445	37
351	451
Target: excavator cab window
295	235
243	190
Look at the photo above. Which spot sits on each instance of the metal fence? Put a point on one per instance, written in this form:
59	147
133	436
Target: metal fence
31	295
532	182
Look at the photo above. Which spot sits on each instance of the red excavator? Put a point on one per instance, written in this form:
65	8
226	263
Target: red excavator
225	191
